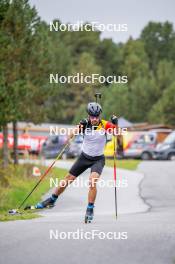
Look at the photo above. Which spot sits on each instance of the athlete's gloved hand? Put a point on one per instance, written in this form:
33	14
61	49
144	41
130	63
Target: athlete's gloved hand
114	120
83	124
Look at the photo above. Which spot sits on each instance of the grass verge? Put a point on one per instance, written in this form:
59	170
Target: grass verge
16	182
124	164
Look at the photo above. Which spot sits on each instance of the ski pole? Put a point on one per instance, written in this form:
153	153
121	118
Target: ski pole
115	176
97	95
47	171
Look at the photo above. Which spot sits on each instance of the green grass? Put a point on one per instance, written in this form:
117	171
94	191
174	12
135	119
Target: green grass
123	164
15	183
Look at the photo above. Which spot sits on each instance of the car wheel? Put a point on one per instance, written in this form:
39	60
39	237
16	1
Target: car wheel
146	156
171	156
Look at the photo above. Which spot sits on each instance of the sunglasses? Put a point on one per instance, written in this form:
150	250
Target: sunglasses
94	117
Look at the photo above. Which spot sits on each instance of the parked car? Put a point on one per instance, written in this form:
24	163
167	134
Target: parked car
74	149
143	146
139	150
53	145
166	150
136	144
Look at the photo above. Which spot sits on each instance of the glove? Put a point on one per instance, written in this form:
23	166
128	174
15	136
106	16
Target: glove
114	120
83	124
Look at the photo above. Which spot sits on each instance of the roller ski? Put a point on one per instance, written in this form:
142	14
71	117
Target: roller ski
89	214
48	203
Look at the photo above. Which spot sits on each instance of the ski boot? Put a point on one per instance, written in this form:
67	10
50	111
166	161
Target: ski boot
89	214
48	203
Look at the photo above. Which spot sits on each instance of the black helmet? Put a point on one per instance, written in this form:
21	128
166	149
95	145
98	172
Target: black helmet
94	109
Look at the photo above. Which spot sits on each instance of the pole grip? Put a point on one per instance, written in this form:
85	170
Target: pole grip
97	95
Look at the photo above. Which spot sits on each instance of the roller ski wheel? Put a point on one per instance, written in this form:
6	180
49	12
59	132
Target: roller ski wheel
14	212
89	215
30	207
34	207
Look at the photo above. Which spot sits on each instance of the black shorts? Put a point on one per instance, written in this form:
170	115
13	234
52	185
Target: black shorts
84	162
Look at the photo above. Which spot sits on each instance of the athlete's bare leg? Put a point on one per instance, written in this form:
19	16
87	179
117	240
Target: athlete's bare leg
68	179
93	179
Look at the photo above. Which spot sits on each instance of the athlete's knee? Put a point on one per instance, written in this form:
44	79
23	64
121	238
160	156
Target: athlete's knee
68	179
93	180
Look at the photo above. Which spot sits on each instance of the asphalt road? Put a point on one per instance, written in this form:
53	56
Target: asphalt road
144	231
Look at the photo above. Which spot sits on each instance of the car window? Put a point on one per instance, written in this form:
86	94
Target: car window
149	138
146	138
55	140
170	138
62	139
78	139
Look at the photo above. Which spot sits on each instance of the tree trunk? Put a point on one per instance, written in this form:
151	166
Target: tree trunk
15	142
5	146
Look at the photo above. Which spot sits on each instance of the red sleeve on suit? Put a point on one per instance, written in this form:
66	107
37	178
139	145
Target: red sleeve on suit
109	125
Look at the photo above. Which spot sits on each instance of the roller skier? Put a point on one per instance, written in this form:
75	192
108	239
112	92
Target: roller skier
94	131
